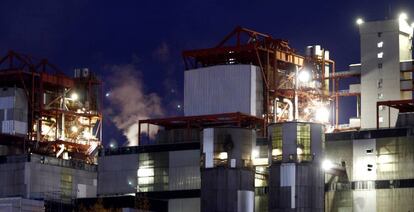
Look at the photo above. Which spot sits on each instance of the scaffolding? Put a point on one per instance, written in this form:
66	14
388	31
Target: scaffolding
64	117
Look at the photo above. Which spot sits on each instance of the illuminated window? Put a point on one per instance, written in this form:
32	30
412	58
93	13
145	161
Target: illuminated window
277	143
381	119
380	55
380	96
303	142
380	44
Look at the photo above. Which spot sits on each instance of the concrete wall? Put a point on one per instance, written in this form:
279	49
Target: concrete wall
382	83
39	180
223	89
388	186
220	187
18	204
13	111
184	205
117	174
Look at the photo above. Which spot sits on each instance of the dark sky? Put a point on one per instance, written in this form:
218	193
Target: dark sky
152	34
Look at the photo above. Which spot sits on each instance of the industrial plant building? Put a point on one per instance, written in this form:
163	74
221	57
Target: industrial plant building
260	132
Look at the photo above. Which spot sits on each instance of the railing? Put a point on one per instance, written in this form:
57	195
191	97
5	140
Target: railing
75	164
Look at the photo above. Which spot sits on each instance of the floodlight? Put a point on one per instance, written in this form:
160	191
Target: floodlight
327	165
304	76
299	151
359	21
74	96
403	16
322	114
223	155
255	153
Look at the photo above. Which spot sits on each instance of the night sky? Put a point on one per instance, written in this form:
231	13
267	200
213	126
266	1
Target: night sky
147	37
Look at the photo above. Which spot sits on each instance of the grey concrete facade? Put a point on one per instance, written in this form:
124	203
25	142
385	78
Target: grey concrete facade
40	177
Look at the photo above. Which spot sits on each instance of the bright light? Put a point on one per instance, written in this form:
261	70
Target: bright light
223	155
145	172
111	145
107	94
299	151
304	76
276	152
322	115
380	55
178	106
380	44
403	16
74	96
255	153
327	165
359	21
74	129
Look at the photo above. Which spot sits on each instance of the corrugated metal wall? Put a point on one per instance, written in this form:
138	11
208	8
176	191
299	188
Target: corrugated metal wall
223	89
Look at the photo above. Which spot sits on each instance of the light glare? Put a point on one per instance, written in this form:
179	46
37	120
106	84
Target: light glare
223	155
327	165
322	115
403	16
359	21
74	96
304	76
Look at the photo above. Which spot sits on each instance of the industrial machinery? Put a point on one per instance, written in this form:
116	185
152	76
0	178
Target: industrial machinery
295	87
44	111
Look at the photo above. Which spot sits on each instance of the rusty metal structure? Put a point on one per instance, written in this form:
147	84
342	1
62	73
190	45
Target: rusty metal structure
64	117
280	67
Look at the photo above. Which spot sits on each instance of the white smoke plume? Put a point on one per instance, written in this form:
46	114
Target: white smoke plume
129	103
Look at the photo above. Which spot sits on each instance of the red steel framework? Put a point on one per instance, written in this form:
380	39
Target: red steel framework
36	77
245	46
203	121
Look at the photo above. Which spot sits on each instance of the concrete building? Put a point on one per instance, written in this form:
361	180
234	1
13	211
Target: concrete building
379	171
56	182
386	61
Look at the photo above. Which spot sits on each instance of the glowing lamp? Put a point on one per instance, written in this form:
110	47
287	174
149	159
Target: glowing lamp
304	76
74	96
327	165
223	155
403	16
322	115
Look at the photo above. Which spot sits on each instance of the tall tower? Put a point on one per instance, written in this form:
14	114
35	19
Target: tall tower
384	45
296	178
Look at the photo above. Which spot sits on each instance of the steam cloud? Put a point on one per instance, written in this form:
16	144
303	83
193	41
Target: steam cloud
129	103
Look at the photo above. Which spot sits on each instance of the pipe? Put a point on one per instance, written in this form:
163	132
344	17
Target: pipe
275	106
289	102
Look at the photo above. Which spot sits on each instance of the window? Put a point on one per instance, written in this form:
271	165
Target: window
379	83
277	143
381	119
379	34
303	142
380	55
379	65
380	44
369	151
380	96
